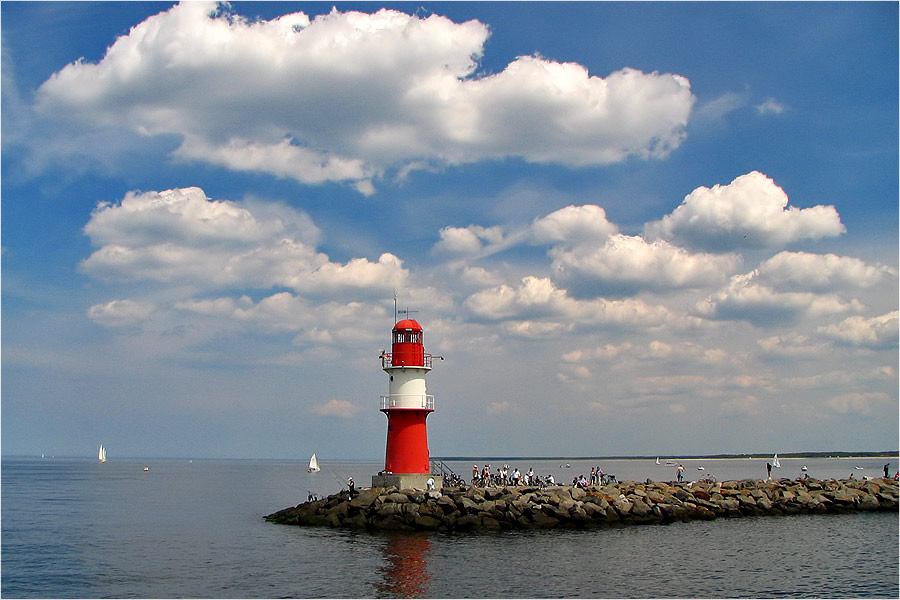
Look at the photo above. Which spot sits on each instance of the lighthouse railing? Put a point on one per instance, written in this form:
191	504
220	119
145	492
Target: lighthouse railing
386	362
417	401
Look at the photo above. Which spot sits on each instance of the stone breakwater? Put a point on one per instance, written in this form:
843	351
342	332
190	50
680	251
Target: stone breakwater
459	509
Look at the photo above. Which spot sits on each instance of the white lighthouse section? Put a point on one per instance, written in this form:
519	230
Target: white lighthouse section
407	389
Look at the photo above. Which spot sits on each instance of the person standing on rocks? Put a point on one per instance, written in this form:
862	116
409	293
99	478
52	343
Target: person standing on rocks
887	469
679	473
768	471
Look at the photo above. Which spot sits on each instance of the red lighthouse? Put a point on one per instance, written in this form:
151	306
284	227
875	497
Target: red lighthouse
406	460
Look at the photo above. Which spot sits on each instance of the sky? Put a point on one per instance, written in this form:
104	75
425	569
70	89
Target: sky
628	228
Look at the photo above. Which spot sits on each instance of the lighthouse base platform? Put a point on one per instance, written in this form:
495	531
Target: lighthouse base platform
406	481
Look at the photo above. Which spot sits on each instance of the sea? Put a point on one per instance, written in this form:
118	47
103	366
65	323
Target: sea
182	528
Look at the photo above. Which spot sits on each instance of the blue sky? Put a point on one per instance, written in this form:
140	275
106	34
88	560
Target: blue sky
637	228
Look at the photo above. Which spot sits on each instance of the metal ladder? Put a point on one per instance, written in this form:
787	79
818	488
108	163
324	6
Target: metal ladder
439	467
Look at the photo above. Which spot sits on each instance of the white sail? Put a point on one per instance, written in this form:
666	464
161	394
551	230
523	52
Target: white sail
657	460
313	464
775	462
101	454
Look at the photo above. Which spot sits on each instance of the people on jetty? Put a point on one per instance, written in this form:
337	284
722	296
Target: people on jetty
679	473
352	486
887	469
768	471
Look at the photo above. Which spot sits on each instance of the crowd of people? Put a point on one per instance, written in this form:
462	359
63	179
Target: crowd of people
506	476
502	476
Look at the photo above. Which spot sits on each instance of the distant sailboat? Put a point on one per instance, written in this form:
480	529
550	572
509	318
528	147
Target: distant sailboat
657	460
701	468
101	455
775	462
313	464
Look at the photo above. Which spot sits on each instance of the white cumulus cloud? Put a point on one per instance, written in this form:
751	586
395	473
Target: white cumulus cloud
750	212
349	96
746	299
467	240
820	272
538	298
574	224
629	263
875	332
180	236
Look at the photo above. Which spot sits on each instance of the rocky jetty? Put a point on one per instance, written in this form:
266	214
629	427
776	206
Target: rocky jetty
459	509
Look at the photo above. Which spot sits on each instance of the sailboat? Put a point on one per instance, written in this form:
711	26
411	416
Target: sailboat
657	460
313	464
101	454
775	462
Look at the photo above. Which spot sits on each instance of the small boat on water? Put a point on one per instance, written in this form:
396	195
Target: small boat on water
313	464
146	468
803	468
101	454
701	468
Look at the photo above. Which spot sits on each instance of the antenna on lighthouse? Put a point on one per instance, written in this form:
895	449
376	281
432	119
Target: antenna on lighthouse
405	311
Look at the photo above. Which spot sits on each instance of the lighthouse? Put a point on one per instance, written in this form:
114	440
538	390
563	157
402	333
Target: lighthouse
407	405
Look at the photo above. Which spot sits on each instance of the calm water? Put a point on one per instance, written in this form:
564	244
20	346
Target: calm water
77	528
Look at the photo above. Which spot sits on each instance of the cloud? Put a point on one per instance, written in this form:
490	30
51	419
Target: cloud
574	224
820	272
858	403
498	408
717	108
790	346
121	313
627	263
467	240
336	408
876	332
750	212
181	236
327	324
348	96
539	298
745	299
770	107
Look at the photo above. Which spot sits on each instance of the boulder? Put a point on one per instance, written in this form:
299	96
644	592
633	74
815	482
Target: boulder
394	497
640	508
364	499
543	521
426	522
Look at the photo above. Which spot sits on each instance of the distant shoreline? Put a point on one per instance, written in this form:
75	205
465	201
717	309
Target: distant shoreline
884	454
894	454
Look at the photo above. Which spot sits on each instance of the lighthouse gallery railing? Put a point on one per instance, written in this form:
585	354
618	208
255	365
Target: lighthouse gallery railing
416	401
386	359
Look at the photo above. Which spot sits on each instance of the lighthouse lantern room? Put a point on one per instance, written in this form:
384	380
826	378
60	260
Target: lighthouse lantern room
407	405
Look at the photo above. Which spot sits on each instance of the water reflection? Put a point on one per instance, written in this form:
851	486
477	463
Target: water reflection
405	572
